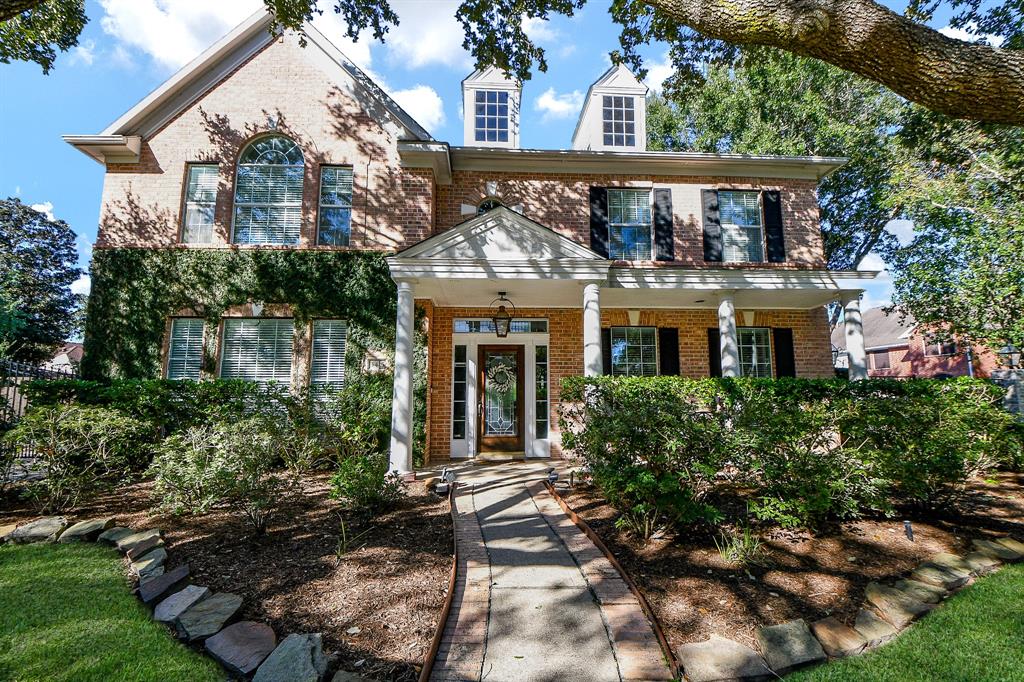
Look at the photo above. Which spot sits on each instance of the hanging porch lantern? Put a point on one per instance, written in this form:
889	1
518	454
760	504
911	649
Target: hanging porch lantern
501	317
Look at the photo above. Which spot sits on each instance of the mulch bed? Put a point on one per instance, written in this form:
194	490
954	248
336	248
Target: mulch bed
390	584
695	593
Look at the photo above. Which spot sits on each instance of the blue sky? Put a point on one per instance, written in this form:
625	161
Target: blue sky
129	47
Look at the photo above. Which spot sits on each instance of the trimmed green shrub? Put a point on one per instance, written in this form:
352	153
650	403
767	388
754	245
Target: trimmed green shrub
81	449
362	481
229	464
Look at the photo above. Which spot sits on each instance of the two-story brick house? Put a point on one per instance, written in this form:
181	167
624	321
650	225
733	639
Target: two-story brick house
608	258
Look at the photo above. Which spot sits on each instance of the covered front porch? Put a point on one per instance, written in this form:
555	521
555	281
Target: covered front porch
569	302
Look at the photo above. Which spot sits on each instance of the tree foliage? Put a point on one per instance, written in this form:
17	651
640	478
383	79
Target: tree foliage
37	267
974	81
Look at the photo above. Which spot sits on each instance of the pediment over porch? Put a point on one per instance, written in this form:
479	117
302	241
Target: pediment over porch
496	245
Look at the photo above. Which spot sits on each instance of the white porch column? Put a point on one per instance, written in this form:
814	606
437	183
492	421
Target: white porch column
854	327
592	362
727	336
401	402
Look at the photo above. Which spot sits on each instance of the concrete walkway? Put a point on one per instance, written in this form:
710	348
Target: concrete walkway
535	600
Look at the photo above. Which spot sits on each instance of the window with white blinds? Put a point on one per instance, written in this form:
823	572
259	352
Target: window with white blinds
200	204
257	349
335	222
742	227
328	367
185	349
629	224
755	349
268	192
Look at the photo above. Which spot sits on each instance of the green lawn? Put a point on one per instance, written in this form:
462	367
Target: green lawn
976	636
66	613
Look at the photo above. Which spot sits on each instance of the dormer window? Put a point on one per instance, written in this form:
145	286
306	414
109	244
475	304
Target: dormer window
491	124
619	121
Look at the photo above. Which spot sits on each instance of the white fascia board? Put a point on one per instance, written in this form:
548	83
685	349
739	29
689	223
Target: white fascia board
252	34
433	155
107	148
673	278
567	269
643	163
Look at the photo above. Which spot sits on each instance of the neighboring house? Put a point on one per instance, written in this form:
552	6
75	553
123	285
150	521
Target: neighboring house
617	260
67	357
899	349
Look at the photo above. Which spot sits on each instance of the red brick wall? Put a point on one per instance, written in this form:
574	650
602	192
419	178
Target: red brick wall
565	351
562	202
910	361
392	206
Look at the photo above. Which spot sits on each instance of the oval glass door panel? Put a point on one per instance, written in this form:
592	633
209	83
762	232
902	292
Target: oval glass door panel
501	406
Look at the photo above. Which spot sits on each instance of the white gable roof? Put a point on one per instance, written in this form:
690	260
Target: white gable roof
500	235
197	77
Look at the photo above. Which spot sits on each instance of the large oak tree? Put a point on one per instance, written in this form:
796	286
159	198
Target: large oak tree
959	79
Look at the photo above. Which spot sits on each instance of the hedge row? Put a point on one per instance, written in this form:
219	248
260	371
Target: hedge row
802	452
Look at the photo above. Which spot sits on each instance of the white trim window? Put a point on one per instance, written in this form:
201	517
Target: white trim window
268	192
200	204
742	226
185	348
933	350
328	366
634	351
335	220
257	349
618	118
755	347
630	224
491	116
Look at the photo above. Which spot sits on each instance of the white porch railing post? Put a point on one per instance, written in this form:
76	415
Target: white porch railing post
592	362
727	336
401	403
854	328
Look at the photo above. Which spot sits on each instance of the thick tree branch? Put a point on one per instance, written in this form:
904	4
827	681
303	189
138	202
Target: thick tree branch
949	76
12	8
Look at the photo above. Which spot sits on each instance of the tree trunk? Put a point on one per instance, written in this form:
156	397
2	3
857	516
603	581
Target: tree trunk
12	8
946	75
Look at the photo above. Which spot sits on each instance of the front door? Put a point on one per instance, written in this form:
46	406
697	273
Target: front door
501	398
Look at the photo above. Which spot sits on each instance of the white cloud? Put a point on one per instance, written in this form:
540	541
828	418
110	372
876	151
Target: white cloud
962	34
903	230
84	248
567	50
85	53
423	104
554	105
873	261
82	285
539	30
45	207
657	72
427	34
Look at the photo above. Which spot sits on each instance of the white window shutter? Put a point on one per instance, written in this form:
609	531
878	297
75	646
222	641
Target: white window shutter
328	368
258	349
185	350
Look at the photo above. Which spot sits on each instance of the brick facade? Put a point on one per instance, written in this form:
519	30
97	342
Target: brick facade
811	347
910	361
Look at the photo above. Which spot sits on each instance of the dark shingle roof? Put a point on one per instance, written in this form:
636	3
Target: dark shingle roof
880	330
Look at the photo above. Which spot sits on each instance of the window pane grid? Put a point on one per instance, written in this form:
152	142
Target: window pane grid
185	350
459	394
618	121
200	204
742	228
463	326
629	224
328	367
268	193
335	221
491	116
634	351
755	352
257	350
541	365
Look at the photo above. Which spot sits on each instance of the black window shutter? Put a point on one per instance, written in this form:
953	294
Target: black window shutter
606	350
714	352
668	351
663	228
599	221
772	203
782	345
712	227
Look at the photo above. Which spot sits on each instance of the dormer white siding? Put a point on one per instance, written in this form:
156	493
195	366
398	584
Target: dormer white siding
614	116
490	105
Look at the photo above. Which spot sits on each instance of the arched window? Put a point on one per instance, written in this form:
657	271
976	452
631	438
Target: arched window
268	192
487	205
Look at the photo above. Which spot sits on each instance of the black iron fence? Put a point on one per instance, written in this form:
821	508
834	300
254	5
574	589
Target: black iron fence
13	402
